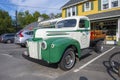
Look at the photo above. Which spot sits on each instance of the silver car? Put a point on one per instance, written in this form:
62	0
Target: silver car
22	36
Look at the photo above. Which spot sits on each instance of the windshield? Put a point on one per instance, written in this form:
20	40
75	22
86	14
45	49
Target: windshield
47	25
67	23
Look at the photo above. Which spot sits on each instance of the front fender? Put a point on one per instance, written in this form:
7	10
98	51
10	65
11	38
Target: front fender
57	47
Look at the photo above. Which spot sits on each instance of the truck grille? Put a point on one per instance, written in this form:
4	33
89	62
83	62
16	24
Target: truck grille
34	49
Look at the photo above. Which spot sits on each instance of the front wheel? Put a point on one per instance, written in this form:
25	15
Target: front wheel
68	60
9	41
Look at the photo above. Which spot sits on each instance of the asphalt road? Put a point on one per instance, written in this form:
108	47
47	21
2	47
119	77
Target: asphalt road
14	66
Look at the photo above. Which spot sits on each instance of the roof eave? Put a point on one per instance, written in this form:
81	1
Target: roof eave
105	17
73	4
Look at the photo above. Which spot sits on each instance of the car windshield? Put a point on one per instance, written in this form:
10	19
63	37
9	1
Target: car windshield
66	23
47	25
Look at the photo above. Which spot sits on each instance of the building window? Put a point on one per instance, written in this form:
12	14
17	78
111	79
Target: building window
105	4
71	11
114	3
68	12
87	6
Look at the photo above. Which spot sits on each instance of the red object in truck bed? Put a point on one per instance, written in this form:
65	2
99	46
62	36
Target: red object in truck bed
97	34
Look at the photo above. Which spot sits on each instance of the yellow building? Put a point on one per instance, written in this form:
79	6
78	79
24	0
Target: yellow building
104	15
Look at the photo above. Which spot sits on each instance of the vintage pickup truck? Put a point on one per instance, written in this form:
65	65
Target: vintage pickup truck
66	42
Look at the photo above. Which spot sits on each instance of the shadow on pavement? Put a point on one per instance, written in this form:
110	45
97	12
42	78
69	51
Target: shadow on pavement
41	62
109	70
84	56
83	78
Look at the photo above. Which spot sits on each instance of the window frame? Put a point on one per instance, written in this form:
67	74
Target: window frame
85	7
85	26
63	23
115	6
70	11
109	4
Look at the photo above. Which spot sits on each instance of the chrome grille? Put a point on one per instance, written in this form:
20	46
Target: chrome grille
34	49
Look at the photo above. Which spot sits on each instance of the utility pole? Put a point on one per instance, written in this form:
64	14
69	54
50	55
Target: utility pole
16	20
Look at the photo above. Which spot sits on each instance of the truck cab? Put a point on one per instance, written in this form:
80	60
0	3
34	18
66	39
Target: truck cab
61	44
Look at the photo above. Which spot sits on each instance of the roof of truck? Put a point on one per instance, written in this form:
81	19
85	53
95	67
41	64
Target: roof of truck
75	17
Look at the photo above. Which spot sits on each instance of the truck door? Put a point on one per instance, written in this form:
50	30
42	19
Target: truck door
84	27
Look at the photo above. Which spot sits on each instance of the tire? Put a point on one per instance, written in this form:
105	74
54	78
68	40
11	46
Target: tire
22	45
26	45
114	62
68	60
99	47
9	41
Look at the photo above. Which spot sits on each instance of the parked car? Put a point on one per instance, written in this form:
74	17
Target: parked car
7	38
22	36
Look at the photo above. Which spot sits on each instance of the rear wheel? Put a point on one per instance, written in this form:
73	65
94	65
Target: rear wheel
68	60
99	47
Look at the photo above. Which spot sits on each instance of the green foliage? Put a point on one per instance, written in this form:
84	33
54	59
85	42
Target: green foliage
45	16
23	19
36	15
5	22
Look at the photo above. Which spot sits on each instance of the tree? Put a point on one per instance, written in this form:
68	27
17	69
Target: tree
45	16
52	15
25	18
5	22
36	15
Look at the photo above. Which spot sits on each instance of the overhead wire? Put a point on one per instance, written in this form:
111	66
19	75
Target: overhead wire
29	6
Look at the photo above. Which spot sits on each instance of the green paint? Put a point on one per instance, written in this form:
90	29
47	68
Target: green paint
57	34
83	7
53	55
34	33
37	39
46	53
87	24
73	30
99	5
92	5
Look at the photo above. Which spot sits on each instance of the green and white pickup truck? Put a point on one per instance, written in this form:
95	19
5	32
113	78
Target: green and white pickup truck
62	44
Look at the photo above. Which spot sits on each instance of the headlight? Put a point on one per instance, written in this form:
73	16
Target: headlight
44	45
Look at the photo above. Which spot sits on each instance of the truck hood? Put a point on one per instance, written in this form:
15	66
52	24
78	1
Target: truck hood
45	33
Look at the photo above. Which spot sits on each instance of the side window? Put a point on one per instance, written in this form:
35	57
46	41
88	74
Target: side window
27	33
9	35
31	32
83	23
